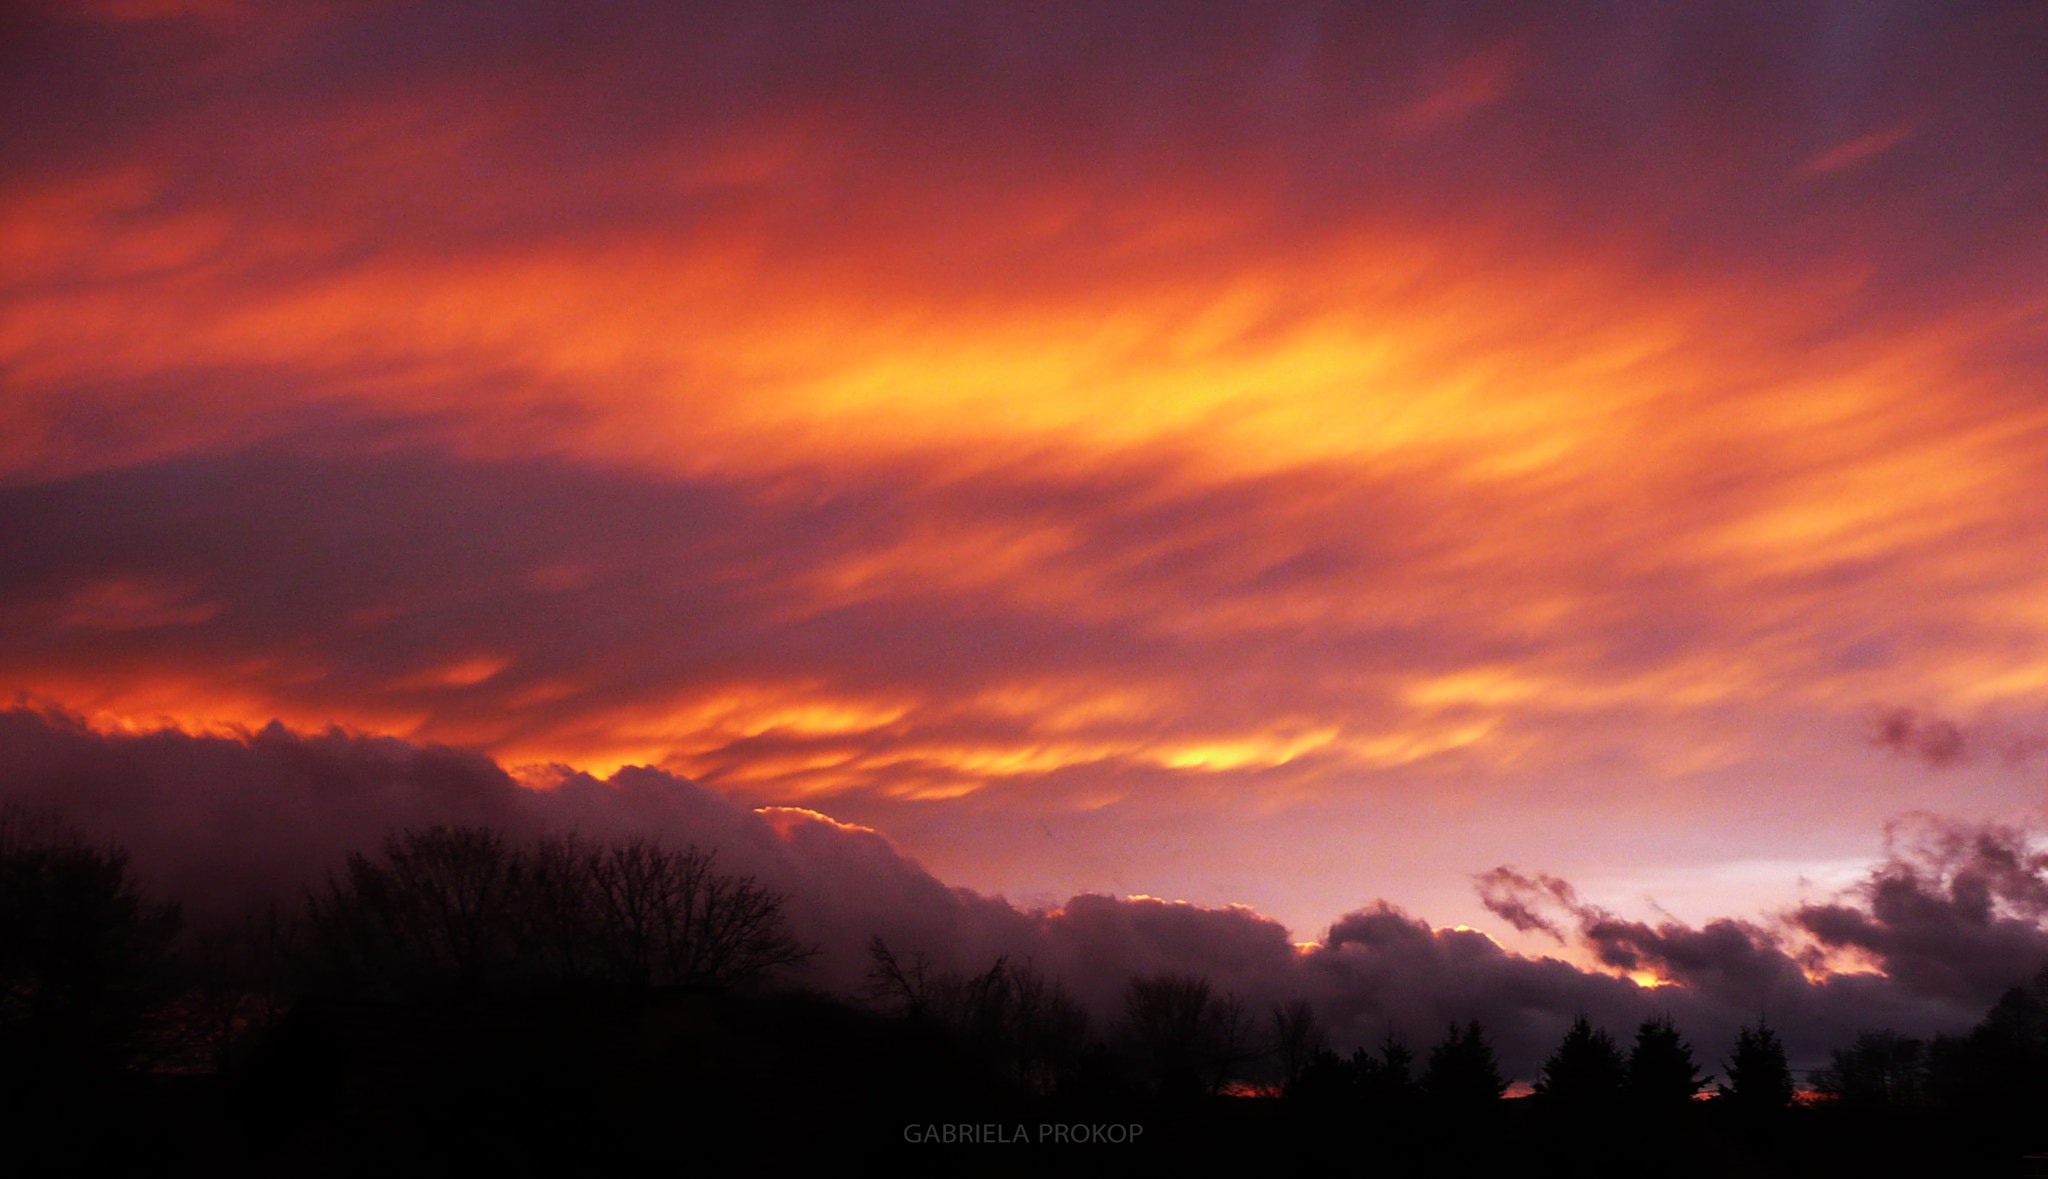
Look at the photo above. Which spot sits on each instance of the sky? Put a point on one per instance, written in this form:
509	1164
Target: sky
1285	456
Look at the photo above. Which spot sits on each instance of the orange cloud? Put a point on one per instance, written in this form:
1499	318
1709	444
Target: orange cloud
1294	415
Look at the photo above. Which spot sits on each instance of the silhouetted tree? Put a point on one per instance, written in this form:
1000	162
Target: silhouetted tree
1385	1080
1048	1029
81	950
1297	1038
561	926
1191	1040
987	1001
459	906
667	917
1009	1013
1233	1041
235	981
1661	1070
1998	1072
1759	1080
1170	1021
910	985
1325	1079
1462	1072
1587	1072
437	907
972	1005
1882	1070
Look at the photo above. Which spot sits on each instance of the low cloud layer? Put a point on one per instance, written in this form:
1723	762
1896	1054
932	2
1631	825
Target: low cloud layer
227	822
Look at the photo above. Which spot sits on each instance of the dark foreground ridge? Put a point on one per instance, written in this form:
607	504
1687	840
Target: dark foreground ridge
457	1004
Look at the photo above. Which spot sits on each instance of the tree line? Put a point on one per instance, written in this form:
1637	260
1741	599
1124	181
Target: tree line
465	907
93	974
578	967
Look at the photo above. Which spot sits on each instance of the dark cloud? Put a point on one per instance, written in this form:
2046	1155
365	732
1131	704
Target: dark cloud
227	822
1935	740
1504	892
1949	919
1381	968
1736	962
1942	743
1952	909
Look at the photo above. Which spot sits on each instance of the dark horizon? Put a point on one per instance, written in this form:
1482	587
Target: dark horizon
287	808
537	994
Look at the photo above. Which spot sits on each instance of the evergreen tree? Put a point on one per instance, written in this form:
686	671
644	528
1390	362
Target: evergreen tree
1587	1070
1758	1077
1326	1079
1882	1070
2000	1069
1389	1078
1661	1071
1462	1070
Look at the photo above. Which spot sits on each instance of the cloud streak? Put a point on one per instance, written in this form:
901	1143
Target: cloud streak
1265	440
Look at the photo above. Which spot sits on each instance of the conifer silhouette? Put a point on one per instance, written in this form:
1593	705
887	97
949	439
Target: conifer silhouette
1661	1070
1587	1070
1462	1070
1758	1077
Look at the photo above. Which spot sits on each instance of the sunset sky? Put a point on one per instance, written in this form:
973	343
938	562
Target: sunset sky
1278	455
